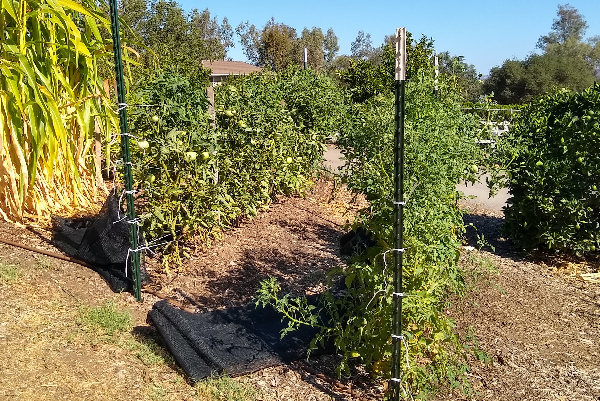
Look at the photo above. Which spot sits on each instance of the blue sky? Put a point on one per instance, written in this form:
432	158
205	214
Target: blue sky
485	32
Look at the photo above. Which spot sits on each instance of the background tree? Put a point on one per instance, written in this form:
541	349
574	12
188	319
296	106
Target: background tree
273	46
330	46
314	40
566	61
168	38
507	83
464	76
362	47
278	45
569	25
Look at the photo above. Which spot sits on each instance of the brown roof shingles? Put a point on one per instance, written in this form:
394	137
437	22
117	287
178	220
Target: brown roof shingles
221	67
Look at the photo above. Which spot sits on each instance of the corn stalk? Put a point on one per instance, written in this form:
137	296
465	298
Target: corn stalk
50	95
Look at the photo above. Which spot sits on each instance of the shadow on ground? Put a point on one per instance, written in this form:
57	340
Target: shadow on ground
299	260
485	232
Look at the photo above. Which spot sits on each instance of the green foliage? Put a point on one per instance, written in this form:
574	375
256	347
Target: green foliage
166	37
148	351
199	176
315	101
553	172
365	78
277	46
440	148
461	75
106	320
567	61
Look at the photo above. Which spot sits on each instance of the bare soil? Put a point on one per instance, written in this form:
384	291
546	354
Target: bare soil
535	317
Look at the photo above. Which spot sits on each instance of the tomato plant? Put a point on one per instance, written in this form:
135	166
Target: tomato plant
198	176
440	151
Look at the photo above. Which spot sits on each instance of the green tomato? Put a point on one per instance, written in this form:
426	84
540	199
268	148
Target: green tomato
190	156
151	178
539	163
155	119
474	168
143	145
580	159
205	155
594	188
229	113
289	160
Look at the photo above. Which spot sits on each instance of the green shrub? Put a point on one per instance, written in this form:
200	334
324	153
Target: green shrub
552	163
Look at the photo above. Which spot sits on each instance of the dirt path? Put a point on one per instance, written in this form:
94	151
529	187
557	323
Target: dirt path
538	323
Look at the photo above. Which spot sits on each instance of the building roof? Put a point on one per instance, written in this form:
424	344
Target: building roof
221	67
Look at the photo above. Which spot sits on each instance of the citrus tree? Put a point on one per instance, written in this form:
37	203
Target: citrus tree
552	168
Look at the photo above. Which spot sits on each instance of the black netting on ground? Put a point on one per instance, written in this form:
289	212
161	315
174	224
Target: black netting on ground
102	242
233	341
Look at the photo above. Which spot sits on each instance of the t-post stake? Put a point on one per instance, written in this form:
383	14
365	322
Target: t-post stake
397	339
122	107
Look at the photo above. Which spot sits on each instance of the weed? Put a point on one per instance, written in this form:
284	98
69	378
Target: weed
44	263
225	389
9	273
106	320
156	392
148	351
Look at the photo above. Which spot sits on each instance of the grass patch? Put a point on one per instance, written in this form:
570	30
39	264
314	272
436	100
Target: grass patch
225	389
148	351
9	273
44	263
156	392
106	321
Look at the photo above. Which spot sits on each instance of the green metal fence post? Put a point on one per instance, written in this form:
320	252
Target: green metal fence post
397	338
134	255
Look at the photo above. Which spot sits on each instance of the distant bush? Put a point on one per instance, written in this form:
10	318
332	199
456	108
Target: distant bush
553	172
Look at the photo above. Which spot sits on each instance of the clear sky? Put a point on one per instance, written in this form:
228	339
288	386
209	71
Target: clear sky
485	32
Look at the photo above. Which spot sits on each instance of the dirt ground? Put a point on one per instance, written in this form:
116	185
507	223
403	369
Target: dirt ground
536	318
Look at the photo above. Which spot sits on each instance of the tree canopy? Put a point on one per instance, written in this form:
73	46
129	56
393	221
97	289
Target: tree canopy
166	36
568	60
277	45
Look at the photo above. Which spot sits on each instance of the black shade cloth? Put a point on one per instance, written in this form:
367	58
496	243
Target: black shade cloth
233	341
102	242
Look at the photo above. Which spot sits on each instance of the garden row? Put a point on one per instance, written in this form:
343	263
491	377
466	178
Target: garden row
199	174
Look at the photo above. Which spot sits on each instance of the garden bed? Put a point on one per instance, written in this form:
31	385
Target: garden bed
538	321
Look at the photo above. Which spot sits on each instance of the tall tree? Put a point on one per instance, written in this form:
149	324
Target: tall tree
313	40
362	47
330	46
464	75
569	25
566	61
250	39
275	45
171	38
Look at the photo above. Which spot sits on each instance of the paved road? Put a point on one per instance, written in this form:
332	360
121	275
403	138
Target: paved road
333	161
